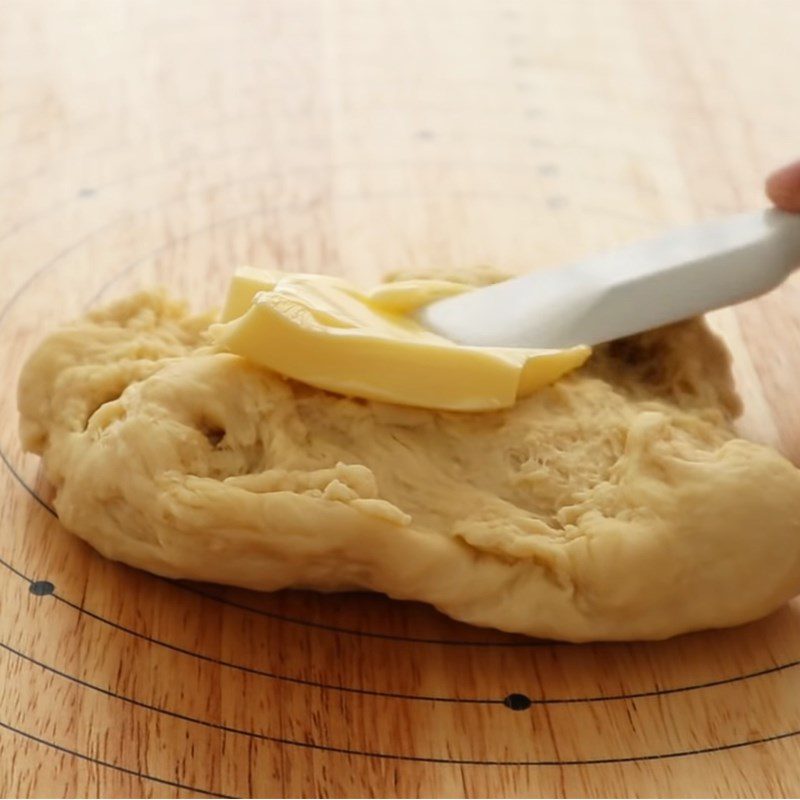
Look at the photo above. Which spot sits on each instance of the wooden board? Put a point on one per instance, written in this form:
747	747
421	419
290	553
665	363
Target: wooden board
147	142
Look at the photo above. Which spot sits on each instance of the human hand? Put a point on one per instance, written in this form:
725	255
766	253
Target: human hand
783	187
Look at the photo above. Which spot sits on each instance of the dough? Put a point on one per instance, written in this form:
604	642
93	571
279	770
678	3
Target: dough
615	504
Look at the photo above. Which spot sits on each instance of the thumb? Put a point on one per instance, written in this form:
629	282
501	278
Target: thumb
783	187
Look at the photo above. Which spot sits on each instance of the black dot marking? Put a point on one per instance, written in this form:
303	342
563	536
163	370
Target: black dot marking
426	135
547	170
86	192
518	702
41	588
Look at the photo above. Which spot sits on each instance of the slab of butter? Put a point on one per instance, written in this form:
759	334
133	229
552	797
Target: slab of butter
325	332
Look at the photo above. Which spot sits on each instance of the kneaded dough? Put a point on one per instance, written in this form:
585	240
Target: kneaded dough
616	504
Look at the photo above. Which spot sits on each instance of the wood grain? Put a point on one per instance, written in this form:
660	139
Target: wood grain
146	142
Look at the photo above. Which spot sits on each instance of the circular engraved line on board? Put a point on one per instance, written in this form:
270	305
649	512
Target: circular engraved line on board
100	763
769	738
400	695
81	610
337	629
131	266
388	756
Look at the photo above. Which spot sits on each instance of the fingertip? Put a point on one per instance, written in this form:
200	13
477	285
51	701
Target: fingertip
783	187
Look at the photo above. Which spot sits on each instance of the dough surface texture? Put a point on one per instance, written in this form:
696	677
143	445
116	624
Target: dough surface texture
617	503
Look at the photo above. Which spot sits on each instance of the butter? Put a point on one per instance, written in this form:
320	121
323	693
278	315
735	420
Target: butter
327	333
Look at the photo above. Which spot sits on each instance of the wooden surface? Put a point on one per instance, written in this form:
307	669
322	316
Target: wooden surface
152	141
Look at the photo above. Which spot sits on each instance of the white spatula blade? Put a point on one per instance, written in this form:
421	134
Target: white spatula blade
685	273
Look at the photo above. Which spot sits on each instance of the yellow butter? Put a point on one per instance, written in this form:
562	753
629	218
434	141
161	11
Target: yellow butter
328	333
246	283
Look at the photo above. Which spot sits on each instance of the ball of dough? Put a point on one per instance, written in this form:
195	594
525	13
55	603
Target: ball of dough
616	504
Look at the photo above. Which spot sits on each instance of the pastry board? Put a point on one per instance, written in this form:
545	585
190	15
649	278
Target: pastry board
148	142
